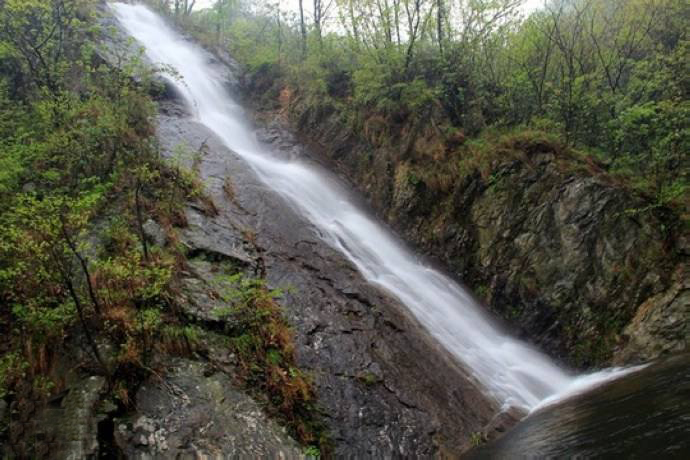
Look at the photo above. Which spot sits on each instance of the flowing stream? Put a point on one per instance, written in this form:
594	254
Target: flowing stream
509	370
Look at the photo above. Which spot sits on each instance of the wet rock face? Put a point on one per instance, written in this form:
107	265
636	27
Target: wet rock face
641	415
661	324
500	423
65	428
386	389
198	412
578	266
558	255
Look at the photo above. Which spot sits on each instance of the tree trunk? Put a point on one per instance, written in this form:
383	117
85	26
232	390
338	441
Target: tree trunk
317	20
440	14
303	29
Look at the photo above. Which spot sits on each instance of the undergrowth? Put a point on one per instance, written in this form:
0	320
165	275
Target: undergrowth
81	179
263	342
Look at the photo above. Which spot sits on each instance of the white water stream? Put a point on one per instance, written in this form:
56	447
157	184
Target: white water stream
510	371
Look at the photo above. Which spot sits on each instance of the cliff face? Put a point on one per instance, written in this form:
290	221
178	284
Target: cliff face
383	387
382	384
576	263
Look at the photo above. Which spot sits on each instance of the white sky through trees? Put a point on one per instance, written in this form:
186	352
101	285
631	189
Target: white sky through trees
528	5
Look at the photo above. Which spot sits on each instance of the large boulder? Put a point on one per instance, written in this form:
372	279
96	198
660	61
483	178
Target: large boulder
64	428
197	412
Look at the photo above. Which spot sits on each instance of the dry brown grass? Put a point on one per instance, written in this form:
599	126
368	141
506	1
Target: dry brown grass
376	130
208	206
229	189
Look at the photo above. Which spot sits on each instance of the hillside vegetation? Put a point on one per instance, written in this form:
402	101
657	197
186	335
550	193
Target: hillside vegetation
542	158
441	81
85	290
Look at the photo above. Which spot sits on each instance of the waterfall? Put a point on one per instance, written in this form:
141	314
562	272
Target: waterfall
510	371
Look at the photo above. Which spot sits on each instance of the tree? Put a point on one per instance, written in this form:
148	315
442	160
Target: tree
37	31
417	20
184	7
440	19
573	68
618	30
303	29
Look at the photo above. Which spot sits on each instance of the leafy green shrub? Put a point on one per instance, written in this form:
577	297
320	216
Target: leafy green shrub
76	147
652	141
12	369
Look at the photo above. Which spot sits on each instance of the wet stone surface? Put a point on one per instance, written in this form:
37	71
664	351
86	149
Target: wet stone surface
64	428
642	415
196	412
385	387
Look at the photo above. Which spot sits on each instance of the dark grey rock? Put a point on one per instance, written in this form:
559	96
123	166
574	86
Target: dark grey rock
194	415
661	324
387	389
502	422
570	259
66	428
154	232
77	429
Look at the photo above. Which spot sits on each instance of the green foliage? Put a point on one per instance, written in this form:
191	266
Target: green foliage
312	452
76	148
125	277
242	36
482	291
606	77
35	258
653	140
35	38
244	293
368	378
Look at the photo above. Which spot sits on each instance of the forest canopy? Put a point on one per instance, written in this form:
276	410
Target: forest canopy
608	77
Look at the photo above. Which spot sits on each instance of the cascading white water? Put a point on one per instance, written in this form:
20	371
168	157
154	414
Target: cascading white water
511	372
